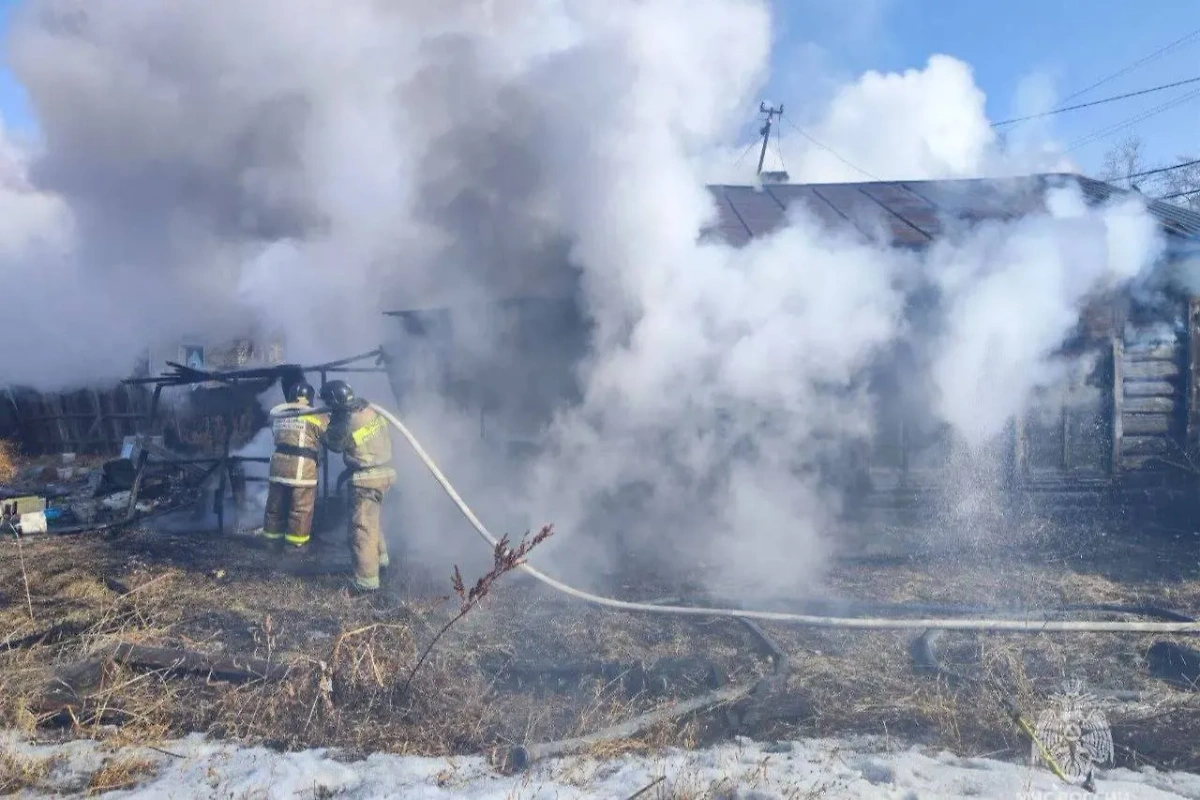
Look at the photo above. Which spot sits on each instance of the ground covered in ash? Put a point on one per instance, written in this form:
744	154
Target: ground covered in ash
147	637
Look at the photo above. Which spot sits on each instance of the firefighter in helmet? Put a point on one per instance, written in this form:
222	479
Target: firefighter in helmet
292	485
361	435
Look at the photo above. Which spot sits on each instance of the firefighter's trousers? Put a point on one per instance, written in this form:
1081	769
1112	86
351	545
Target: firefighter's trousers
289	514
368	545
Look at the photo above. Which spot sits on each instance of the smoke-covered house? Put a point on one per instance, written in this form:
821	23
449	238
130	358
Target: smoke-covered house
1122	425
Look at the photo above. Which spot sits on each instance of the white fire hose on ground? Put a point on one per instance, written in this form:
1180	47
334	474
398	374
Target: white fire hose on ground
809	620
518	757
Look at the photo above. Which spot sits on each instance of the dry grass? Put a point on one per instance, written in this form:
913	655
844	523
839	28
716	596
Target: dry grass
18	772
863	682
120	772
349	658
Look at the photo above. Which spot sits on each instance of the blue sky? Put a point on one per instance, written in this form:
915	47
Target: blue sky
14	107
1072	43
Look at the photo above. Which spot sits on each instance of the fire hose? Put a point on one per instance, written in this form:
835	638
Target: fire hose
519	757
809	620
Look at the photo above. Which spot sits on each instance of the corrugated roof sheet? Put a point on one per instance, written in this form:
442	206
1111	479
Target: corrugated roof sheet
911	213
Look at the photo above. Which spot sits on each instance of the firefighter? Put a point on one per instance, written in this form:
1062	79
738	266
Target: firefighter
292	487
361	435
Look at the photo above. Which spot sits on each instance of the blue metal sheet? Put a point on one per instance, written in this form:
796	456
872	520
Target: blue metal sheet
976	200
867	216
908	210
800	196
1176	220
727	218
735	235
757	210
914	220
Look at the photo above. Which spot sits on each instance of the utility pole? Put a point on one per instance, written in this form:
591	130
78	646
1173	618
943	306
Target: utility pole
765	130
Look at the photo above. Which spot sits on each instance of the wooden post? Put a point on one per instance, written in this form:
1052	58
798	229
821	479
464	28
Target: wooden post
61	425
144	455
95	432
1118	398
19	424
1020	448
1064	422
1192	384
223	470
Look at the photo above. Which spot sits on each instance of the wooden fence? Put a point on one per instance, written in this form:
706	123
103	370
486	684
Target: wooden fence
88	421
96	422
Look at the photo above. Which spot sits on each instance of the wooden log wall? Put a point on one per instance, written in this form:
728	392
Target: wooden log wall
1193	383
1152	402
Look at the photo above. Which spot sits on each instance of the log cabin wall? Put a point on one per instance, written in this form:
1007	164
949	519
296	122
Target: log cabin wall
1113	433
1192	360
1104	437
1152	409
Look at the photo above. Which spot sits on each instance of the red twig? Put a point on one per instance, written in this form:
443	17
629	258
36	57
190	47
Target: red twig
504	559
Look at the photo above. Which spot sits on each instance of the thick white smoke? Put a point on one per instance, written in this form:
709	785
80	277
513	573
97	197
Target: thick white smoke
220	166
920	124
1015	291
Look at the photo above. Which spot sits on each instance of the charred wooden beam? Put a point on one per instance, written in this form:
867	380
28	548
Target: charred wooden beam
1150	370
1149	405
179	662
65	698
1145	446
635	677
1149	389
70	693
51	635
1142	424
1156	351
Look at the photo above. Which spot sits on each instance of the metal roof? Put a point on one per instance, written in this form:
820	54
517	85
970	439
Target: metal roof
911	213
908	213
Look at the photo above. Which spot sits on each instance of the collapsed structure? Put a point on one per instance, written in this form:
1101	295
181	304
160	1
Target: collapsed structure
99	420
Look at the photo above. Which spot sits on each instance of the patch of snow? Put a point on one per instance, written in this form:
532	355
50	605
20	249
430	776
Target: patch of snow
850	769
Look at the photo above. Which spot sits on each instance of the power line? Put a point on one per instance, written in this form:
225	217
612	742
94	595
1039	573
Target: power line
779	148
1125	71
1096	102
829	150
1120	126
745	153
1188	193
1144	173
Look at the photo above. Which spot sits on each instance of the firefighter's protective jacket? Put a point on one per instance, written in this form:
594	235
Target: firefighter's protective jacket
363	439
297	445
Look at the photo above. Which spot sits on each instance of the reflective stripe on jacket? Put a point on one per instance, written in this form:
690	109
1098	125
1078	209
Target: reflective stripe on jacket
363	439
297	445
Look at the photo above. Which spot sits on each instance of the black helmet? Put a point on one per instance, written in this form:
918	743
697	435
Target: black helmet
338	395
301	391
